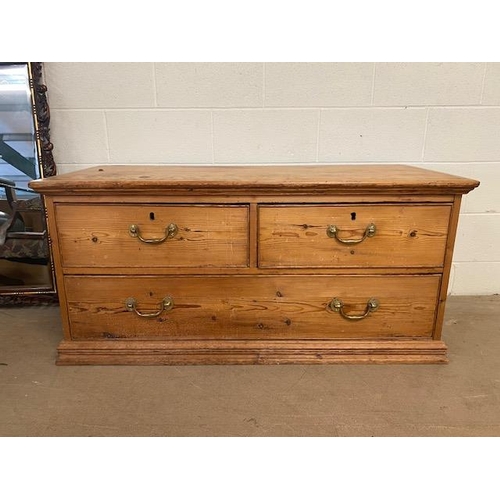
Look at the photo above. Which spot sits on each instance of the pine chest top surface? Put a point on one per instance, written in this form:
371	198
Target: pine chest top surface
321	179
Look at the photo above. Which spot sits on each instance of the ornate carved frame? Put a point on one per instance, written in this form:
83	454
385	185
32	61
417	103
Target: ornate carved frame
41	114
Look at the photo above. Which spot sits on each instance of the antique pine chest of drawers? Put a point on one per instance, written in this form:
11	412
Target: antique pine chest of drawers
261	264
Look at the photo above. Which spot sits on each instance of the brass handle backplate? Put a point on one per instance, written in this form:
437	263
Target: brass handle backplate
170	232
337	305
166	305
332	232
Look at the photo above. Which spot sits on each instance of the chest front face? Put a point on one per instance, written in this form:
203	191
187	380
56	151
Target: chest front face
237	267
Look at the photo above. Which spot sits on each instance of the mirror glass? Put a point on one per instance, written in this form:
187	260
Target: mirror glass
24	252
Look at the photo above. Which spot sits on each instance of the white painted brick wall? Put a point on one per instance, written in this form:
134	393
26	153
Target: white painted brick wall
265	135
371	135
150	136
441	116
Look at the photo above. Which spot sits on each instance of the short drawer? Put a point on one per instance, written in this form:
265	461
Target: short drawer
251	307
152	235
343	236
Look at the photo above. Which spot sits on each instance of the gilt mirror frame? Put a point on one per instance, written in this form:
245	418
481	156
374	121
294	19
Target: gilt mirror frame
47	167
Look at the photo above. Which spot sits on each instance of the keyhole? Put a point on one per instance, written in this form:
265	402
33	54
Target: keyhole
151	215
353	215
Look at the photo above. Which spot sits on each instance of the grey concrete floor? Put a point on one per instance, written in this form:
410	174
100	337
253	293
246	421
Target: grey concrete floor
461	398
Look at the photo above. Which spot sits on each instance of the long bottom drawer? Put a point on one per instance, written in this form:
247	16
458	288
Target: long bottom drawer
251	307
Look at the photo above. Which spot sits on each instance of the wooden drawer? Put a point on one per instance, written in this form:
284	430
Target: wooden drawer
203	235
388	235
251	307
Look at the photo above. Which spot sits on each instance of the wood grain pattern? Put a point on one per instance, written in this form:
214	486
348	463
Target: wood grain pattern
316	179
208	236
57	256
450	244
259	307
406	236
251	270
247	271
237	352
244	198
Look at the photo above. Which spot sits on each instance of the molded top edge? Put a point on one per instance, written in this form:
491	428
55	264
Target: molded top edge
262	178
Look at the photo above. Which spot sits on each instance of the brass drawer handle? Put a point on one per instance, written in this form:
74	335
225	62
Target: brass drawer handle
166	305
337	305
170	232
332	232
